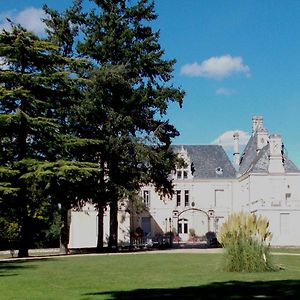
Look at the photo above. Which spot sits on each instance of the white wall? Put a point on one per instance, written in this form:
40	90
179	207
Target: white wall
276	196
83	228
284	224
204	196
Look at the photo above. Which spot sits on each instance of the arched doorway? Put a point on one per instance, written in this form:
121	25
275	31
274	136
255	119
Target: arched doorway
183	229
192	219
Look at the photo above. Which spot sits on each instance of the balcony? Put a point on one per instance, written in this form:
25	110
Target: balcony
272	204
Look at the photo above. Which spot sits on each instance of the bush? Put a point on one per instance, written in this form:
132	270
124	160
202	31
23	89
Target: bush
9	232
246	239
211	240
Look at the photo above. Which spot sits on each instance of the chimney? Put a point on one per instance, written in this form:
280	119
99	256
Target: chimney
236	148
262	138
275	156
257	122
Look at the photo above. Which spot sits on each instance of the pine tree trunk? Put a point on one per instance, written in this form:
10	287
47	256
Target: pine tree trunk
22	151
64	230
24	237
100	228
113	228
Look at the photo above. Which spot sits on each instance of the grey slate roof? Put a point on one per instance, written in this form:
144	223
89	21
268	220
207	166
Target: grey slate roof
206	159
249	155
256	163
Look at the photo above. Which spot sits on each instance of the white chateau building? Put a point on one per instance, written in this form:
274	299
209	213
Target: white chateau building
261	180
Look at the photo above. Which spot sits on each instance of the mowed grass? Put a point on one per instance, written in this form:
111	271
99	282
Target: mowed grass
144	276
285	249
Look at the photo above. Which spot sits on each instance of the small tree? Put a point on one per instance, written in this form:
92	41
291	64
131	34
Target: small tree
246	239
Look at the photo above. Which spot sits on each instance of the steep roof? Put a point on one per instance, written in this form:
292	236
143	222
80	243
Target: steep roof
207	159
254	162
249	155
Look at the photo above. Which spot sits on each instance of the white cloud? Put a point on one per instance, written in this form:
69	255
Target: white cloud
223	91
217	67
30	18
226	139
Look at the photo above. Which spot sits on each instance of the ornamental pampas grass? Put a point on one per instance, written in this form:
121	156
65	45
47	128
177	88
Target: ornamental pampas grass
246	239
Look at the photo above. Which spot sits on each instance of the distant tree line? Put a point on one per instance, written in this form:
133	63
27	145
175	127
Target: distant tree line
82	119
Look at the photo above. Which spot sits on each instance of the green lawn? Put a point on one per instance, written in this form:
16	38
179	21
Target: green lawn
285	249
144	276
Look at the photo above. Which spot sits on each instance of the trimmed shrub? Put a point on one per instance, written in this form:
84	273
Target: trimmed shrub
246	239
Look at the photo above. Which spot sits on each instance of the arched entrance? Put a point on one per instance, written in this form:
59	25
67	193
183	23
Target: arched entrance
183	228
192	220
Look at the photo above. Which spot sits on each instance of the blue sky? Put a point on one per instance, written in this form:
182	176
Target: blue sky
235	59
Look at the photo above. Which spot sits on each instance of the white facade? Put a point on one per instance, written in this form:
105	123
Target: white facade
277	197
263	181
84	227
196	205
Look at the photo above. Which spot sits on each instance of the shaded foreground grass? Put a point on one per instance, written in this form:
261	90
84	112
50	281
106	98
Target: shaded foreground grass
144	276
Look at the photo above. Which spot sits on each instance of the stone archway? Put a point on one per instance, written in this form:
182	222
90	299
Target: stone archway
192	218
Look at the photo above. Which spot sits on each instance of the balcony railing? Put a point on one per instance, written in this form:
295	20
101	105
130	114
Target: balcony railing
273	204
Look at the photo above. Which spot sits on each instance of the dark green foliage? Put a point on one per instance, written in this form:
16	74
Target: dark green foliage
37	91
8	233
131	96
49	234
122	117
62	28
93	130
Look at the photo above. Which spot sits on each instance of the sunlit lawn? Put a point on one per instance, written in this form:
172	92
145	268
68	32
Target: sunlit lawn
285	249
143	276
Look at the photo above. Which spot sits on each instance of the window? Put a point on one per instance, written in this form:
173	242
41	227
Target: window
146	198
146	225
186	198
183	226
179	228
168	223
219	198
182	173
178	198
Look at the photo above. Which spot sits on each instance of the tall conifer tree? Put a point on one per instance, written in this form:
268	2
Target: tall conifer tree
133	102
37	93
127	99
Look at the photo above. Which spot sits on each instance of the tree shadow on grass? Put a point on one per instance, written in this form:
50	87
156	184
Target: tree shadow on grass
7	267
220	290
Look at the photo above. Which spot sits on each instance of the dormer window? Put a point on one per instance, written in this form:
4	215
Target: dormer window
185	172
219	171
182	173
